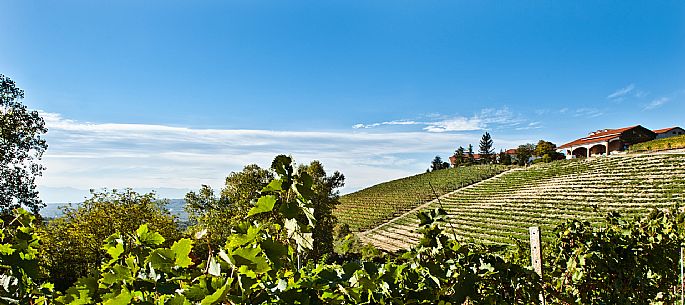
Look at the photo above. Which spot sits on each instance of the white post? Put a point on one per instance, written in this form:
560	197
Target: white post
536	254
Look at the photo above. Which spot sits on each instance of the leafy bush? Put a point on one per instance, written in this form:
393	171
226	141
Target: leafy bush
19	278
620	262
72	244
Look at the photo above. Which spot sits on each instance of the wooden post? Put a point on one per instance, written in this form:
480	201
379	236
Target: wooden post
536	254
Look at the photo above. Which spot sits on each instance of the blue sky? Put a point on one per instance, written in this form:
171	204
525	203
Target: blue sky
174	94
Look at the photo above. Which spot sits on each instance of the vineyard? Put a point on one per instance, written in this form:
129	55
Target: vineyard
501	209
676	142
375	205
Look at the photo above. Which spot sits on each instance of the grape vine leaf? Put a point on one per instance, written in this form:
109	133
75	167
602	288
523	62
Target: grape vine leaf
264	204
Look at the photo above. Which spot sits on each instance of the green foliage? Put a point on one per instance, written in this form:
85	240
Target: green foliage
325	197
676	142
523	153
216	216
21	147
459	156
504	158
544	148
621	262
259	264
246	194
19	245
72	243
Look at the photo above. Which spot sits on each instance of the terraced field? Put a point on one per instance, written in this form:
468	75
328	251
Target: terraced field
501	209
375	205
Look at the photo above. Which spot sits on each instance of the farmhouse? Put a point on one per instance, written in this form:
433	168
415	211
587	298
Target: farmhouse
606	141
669	132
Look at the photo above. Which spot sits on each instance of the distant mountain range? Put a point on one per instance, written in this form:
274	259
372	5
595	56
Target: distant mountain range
70	194
175	206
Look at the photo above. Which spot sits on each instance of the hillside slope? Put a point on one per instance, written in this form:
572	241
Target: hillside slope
501	209
375	205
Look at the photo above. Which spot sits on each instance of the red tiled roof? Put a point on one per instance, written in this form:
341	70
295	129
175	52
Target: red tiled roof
598	136
453	158
510	151
663	130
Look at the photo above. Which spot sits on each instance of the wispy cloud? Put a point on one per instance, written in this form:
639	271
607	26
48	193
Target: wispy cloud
529	126
87	155
489	118
640	93
399	122
656	103
620	93
587	112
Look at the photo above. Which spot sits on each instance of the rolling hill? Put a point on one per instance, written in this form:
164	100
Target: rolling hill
372	206
501	209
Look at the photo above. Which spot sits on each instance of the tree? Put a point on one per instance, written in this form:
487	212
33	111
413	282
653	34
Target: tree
459	156
217	215
523	153
326	196
243	187
21	147
504	158
438	164
547	151
544	148
485	148
472	159
73	242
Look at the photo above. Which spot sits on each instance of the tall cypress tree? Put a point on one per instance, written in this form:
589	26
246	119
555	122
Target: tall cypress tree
485	148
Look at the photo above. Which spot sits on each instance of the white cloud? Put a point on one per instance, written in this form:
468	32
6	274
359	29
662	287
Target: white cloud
657	103
640	93
455	124
86	155
531	125
489	118
400	122
620	93
588	113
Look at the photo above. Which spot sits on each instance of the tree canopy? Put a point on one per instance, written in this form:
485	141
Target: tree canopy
438	164
73	242
21	148
523	153
460	157
219	216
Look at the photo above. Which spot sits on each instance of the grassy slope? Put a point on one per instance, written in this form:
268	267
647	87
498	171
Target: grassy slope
676	142
502	209
374	205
